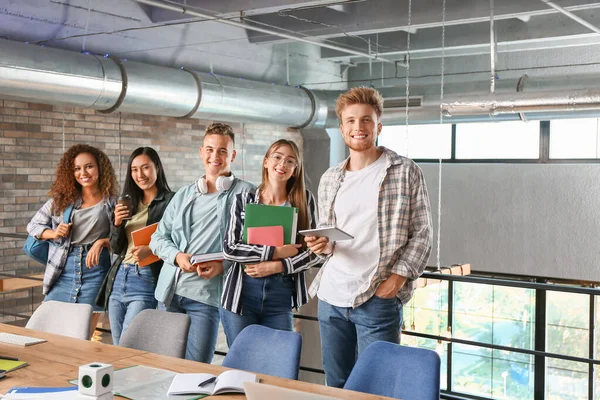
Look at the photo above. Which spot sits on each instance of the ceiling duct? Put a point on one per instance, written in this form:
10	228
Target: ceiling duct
52	76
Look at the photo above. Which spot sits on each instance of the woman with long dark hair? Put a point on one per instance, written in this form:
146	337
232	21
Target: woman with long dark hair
264	293
129	287
85	183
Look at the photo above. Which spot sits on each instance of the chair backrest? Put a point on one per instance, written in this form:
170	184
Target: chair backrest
392	370
159	332
67	319
267	351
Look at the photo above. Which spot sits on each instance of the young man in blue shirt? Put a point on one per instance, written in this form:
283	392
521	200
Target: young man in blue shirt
195	223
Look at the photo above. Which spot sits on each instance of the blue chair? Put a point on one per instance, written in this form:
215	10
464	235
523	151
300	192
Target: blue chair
266	351
392	370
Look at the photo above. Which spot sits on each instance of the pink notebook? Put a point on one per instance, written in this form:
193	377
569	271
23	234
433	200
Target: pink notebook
266	235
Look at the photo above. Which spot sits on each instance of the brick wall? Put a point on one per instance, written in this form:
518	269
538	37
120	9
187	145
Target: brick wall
32	139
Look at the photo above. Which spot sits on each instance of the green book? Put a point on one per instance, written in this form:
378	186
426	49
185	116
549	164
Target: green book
257	215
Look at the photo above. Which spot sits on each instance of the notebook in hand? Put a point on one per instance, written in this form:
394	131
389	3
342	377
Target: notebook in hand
142	237
231	381
200	258
266	235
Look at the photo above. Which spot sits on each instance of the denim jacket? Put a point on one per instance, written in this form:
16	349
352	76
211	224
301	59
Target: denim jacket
57	254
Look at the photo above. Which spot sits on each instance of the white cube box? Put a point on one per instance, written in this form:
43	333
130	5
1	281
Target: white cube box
95	379
105	396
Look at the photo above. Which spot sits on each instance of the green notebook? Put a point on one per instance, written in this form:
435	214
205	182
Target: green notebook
10	365
257	215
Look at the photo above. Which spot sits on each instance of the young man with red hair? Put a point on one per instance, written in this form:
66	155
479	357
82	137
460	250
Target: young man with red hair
381	199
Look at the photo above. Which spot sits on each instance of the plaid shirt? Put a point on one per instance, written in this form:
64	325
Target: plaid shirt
57	254
404	227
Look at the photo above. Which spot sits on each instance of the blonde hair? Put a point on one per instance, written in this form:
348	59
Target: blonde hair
295	186
359	95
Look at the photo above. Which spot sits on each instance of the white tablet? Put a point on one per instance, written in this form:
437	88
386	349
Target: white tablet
332	233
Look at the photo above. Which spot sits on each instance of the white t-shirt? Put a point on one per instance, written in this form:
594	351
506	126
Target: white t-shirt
353	263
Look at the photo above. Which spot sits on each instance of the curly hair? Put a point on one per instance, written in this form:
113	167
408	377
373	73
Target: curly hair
65	190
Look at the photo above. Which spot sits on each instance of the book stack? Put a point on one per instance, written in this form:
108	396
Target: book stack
270	225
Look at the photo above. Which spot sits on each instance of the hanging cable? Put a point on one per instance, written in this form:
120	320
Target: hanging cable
442	67
63	130
87	22
407	72
119	153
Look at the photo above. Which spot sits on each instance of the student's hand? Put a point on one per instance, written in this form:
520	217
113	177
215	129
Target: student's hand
121	212
183	261
209	269
289	250
263	269
319	245
62	230
388	288
141	252
93	256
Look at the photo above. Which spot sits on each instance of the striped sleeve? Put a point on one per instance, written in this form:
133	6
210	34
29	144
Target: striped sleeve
234	249
305	259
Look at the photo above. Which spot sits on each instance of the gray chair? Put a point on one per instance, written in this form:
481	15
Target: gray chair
67	319
159	332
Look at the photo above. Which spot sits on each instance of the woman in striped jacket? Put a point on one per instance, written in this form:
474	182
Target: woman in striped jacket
264	283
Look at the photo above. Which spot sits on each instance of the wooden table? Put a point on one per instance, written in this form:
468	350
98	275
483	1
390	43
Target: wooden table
55	362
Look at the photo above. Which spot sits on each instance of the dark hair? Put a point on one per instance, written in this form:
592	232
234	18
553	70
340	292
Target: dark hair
219	128
132	189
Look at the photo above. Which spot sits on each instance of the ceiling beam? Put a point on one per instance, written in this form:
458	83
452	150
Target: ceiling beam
390	16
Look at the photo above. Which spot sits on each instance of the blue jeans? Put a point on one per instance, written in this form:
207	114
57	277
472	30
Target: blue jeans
346	332
265	301
204	327
133	292
78	283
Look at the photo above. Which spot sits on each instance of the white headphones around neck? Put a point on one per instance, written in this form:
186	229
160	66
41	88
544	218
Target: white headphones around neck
223	183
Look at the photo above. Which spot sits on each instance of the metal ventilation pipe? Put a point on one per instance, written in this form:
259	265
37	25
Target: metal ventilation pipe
107	84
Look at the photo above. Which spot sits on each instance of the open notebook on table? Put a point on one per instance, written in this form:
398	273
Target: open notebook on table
231	381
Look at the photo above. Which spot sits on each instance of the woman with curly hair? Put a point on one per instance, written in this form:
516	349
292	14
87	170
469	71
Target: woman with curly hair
85	183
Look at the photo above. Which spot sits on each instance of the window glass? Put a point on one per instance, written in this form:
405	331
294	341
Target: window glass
502	140
574	138
424	141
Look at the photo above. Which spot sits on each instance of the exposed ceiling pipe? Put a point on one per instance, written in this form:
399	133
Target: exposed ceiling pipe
185	10
492	49
52	76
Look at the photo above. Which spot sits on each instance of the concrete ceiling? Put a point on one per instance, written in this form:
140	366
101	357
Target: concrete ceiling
139	32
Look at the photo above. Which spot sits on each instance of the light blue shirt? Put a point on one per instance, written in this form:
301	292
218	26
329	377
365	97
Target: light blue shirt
205	238
176	233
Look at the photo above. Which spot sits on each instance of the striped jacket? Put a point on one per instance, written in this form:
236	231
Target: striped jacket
239	253
403	222
57	254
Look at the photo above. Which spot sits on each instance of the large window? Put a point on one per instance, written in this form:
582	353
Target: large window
501	140
575	138
424	141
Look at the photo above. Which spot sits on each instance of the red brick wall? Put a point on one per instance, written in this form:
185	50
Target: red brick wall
31	143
